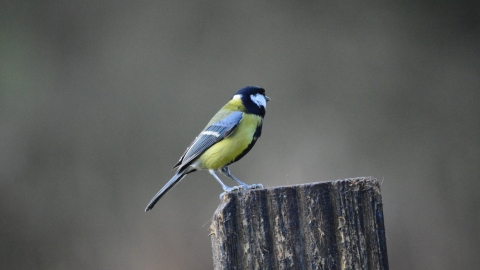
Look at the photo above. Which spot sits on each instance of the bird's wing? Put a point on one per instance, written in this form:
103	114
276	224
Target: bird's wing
209	136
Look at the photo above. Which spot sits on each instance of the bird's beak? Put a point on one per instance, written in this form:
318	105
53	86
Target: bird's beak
267	98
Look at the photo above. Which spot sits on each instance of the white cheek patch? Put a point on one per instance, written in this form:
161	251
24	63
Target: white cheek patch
259	100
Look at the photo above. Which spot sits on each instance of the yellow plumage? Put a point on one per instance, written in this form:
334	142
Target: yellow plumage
225	151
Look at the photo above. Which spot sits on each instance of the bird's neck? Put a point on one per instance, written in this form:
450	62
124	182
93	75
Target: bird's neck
235	105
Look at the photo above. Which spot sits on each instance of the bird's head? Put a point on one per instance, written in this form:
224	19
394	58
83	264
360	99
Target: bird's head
253	98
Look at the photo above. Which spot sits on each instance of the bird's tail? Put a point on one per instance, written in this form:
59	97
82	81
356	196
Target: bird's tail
175	179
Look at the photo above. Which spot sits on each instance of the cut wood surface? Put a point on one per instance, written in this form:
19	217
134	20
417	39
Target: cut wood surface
324	225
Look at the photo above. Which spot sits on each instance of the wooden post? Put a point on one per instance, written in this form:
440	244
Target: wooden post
324	225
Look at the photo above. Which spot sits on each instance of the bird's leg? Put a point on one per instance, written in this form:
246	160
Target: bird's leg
226	172
225	187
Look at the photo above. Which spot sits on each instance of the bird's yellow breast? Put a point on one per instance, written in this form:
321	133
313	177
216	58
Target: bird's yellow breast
225	151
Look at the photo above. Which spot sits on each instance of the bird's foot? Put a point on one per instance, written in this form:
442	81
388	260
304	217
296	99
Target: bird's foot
230	189
246	187
254	186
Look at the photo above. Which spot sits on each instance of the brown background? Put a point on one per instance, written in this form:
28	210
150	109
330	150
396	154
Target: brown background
98	99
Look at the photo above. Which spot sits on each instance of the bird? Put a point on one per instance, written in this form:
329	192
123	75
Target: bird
228	137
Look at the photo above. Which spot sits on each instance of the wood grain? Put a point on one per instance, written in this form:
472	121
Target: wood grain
324	225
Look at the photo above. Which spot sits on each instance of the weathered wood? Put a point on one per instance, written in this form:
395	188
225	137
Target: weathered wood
324	225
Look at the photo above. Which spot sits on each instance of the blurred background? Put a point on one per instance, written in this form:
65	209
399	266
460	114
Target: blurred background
99	99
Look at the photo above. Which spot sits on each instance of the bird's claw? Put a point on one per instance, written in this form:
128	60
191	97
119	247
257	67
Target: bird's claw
235	188
230	189
255	186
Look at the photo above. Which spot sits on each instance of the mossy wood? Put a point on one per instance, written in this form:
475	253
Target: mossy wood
325	225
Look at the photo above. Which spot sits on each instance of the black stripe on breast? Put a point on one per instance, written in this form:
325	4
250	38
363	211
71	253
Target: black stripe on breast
256	135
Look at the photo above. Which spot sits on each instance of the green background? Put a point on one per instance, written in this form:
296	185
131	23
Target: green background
99	99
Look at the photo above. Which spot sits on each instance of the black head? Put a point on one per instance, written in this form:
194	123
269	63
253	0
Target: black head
254	99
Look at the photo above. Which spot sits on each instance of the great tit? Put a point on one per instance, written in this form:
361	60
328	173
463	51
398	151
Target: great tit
229	135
